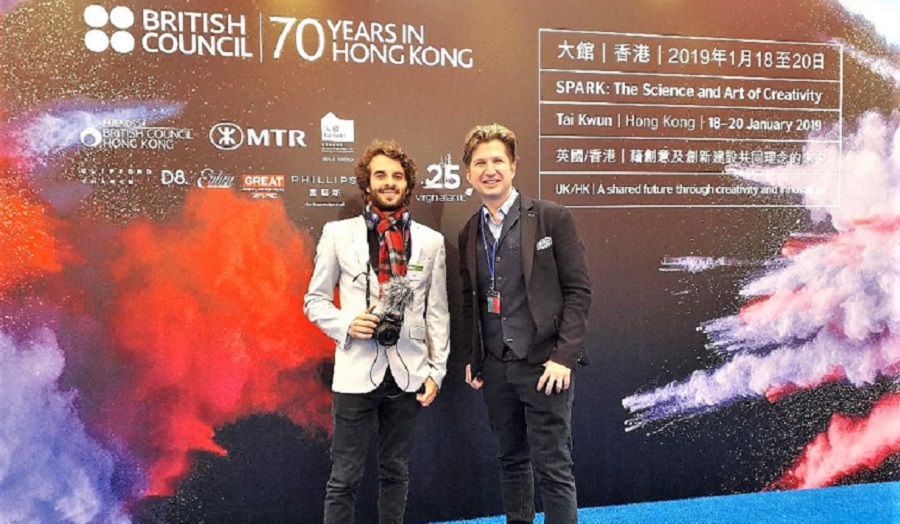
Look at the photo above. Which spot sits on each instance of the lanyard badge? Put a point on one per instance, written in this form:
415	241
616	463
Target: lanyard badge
493	296
493	302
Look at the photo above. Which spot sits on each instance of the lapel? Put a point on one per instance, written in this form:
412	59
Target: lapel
414	232
528	222
514	213
472	248
360	241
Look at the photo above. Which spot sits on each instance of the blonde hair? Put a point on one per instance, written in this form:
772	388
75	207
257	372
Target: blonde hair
486	133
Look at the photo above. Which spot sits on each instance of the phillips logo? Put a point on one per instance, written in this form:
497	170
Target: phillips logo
97	18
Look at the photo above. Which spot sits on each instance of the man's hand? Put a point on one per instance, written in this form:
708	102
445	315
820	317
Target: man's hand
476	382
556	378
363	326
431	391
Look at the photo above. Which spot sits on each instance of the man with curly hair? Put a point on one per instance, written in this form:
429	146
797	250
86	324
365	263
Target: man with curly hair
379	388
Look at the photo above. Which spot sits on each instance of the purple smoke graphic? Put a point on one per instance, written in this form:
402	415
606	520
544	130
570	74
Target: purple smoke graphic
695	264
50	469
827	309
7	5
884	67
69	125
78	123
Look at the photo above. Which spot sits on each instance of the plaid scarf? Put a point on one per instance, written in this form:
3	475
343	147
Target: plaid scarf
392	238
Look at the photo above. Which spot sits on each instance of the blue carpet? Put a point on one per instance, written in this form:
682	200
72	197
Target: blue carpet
864	503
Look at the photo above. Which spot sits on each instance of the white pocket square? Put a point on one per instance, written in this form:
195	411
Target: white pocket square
544	243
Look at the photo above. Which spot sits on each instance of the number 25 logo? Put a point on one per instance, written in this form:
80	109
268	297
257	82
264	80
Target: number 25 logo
444	175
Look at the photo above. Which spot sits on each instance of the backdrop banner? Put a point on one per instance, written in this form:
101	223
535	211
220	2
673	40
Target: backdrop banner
166	169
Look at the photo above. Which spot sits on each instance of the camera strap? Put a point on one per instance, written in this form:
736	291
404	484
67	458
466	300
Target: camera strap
368	287
399	356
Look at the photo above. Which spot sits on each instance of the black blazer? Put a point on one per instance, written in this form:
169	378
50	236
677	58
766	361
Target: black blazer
556	280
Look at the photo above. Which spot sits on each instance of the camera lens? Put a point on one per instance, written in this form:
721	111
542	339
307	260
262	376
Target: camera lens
388	336
387	333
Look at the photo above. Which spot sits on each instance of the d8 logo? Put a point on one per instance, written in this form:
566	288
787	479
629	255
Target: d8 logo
170	178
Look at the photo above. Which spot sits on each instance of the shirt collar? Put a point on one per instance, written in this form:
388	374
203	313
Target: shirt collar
505	207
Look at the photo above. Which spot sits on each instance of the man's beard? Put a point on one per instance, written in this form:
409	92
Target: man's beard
385	206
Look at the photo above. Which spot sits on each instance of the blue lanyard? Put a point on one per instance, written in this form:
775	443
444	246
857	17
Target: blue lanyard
492	258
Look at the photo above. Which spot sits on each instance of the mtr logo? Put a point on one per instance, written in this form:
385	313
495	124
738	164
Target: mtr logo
120	18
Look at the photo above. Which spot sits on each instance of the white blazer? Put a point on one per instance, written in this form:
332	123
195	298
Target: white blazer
342	259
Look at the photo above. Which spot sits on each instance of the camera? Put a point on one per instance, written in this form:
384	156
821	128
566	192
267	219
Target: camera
387	332
398	295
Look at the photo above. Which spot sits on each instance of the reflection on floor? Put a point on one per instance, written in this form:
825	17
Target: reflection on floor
865	503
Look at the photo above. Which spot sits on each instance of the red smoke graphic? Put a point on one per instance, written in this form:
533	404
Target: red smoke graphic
795	245
27	244
849	445
775	394
207	321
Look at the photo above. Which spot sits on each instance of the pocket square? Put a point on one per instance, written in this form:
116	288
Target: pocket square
544	243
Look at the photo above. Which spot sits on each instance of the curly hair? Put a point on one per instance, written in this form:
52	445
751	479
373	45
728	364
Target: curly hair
392	150
487	133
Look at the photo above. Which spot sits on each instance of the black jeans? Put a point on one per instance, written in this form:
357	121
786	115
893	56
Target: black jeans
391	413
533	429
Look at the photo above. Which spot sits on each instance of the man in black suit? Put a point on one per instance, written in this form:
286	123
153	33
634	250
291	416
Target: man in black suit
526	295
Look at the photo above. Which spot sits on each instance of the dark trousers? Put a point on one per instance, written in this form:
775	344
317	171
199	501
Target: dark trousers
391	413
533	429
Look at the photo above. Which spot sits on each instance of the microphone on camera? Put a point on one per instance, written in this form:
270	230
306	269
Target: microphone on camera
398	295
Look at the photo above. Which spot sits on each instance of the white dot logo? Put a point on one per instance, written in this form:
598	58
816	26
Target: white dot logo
91	137
95	16
121	17
96	39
